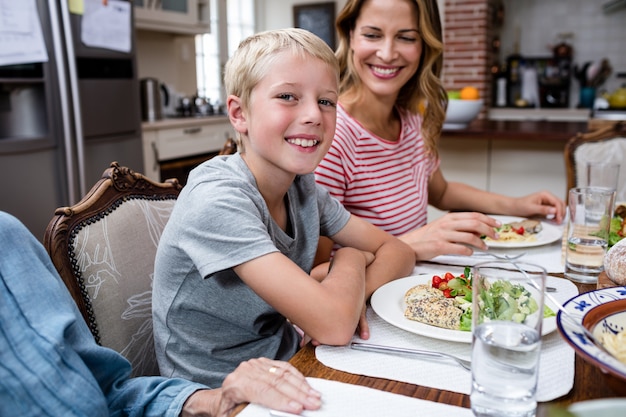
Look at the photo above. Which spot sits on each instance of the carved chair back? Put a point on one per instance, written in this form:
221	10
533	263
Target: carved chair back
104	249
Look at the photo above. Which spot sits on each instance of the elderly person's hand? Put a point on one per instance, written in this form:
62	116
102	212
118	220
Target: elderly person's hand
263	381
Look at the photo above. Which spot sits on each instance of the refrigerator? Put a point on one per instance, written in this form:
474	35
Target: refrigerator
65	119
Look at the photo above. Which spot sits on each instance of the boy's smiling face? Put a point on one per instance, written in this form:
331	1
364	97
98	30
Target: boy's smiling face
291	117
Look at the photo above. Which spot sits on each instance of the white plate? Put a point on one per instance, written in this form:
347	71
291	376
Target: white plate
549	233
388	302
606	407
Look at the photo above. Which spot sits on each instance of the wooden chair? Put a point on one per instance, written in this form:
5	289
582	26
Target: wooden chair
606	143
104	249
229	148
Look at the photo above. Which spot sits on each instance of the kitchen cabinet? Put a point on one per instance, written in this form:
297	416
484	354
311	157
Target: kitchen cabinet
187	17
511	167
182	139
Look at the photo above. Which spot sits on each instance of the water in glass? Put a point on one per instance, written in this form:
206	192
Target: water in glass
505	369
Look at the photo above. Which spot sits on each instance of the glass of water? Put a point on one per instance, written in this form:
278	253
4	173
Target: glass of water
507	315
602	174
590	211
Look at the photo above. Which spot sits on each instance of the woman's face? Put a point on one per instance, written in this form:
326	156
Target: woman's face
386	45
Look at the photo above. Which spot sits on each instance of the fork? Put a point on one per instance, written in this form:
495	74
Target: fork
498	256
411	352
509	258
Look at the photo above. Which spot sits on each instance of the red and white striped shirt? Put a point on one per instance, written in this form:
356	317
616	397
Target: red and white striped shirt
383	182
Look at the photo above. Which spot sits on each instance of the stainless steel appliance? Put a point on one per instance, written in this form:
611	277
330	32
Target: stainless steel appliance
63	121
151	107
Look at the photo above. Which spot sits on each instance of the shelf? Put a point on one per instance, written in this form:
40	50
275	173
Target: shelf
189	20
537	114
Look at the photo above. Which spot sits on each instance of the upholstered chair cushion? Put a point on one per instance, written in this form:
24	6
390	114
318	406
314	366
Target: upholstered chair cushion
114	255
612	150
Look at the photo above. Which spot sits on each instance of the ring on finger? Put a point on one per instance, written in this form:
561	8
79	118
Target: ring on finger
273	370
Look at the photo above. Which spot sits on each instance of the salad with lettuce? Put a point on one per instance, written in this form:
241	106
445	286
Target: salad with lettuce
504	300
617	230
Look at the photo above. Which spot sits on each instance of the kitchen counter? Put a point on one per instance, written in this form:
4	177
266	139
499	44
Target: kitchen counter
183	142
527	130
513	158
176	122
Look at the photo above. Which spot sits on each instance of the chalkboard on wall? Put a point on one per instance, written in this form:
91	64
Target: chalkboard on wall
318	18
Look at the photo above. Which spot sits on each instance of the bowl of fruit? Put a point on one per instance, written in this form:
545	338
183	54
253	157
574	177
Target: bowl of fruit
463	107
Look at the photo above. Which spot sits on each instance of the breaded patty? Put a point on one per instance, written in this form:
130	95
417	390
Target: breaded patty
421	291
440	312
428	305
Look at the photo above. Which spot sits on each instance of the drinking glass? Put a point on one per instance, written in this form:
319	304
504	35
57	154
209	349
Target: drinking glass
602	175
507	314
590	212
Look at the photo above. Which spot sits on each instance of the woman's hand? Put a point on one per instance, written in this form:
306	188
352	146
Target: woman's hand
542	203
273	384
451	234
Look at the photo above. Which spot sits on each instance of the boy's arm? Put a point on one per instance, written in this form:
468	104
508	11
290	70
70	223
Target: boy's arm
393	258
327	311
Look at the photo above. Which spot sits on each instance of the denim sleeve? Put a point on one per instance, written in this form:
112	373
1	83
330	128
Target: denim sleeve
49	361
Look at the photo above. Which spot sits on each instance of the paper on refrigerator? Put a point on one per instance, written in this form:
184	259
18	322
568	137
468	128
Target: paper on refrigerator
107	26
21	36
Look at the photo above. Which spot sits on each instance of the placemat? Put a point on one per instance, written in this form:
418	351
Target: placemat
342	400
548	256
556	368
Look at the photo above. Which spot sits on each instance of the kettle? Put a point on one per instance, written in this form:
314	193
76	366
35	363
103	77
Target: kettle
617	99
151	108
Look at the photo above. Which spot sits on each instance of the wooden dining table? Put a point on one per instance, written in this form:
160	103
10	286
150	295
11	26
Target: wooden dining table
589	381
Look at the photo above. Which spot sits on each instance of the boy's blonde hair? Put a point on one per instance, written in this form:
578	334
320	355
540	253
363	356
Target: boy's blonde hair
255	55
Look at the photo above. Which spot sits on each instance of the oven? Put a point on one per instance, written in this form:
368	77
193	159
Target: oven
173	147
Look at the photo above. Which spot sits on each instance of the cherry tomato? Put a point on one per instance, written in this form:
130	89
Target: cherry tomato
436	281
447	293
519	231
448	276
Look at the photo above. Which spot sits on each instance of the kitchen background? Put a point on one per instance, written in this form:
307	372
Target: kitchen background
530	27
178	50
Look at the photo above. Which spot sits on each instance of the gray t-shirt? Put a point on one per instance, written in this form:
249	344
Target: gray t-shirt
206	320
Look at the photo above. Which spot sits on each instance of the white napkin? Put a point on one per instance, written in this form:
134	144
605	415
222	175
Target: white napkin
556	367
548	256
340	399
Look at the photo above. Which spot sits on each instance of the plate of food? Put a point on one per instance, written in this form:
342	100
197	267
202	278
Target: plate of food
517	232
602	312
618	224
432	314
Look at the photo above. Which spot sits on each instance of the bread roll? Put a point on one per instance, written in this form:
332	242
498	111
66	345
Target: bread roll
615	263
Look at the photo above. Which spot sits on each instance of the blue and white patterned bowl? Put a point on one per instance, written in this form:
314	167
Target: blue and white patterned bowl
600	311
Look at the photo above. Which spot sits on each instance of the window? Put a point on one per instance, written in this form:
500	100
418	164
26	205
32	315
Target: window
213	49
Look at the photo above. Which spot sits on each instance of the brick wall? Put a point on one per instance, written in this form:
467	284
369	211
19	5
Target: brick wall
469	48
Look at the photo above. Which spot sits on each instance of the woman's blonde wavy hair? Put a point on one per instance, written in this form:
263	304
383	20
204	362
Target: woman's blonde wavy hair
425	87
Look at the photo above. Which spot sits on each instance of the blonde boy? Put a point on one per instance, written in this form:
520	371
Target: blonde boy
232	271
